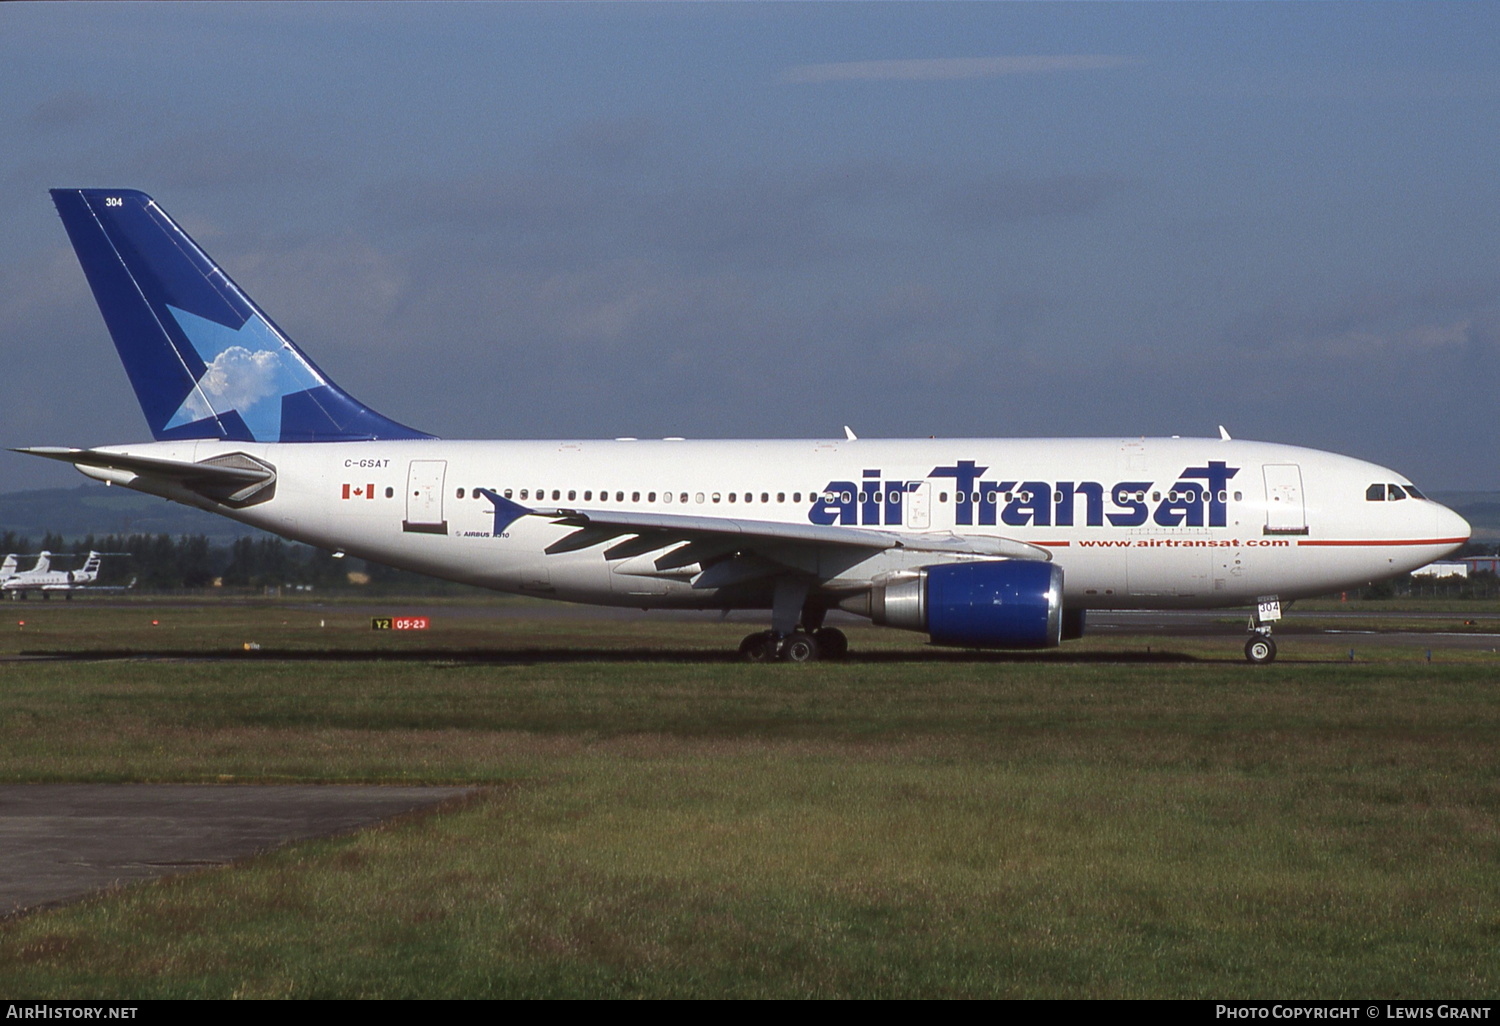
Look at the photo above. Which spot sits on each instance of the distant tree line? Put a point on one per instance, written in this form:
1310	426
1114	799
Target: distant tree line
162	563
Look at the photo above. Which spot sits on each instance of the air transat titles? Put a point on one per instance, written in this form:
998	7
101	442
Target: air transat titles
1197	499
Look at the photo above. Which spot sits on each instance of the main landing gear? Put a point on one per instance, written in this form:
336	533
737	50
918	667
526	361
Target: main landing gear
797	634
800	646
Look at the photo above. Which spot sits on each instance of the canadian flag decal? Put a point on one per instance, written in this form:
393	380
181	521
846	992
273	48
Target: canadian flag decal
365	491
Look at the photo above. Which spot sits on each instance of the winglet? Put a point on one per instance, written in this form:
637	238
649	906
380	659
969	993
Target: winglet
849	433
1224	434
506	511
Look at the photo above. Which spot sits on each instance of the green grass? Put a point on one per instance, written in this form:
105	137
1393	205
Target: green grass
657	820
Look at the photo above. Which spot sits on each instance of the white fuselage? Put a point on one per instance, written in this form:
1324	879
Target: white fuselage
1134	523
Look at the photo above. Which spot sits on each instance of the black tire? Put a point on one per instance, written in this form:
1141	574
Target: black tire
832	644
799	648
1260	650
758	648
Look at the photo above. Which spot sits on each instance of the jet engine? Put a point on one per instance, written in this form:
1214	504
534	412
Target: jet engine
991	604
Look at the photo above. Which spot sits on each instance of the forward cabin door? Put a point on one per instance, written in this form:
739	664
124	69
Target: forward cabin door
424	497
1285	511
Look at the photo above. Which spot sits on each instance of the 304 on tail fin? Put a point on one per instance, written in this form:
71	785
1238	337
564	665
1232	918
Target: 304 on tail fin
204	360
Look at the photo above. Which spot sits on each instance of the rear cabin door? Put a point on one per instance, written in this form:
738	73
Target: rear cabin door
424	497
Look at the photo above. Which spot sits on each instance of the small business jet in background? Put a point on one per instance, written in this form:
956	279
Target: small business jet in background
42	578
976	542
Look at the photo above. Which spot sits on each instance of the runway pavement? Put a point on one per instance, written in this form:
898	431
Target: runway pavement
61	842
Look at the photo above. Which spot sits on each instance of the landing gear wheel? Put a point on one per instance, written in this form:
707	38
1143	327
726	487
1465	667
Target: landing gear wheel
1260	649
799	647
758	648
832	644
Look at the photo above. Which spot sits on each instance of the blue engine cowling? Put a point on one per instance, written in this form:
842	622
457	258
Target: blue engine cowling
992	604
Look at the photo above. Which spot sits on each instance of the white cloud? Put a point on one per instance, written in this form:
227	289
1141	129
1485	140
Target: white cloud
952	68
236	380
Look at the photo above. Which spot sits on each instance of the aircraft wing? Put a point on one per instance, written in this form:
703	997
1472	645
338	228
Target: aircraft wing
595	527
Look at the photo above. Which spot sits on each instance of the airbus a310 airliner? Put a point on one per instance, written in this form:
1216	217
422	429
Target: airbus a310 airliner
976	542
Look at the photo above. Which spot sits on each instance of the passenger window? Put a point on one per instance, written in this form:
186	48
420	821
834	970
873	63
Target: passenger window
507	493
716	496
731	496
588	496
1375	493
698	498
650	496
523	493
764	497
635	496
556	494
390	493
796	496
619	496
781	496
683	497
460	493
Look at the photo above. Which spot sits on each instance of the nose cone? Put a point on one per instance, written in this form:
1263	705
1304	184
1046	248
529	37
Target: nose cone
1449	527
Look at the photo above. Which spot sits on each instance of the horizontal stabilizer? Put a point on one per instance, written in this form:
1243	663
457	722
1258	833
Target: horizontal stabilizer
234	479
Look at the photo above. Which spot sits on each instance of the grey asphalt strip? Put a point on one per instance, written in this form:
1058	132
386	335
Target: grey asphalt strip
62	842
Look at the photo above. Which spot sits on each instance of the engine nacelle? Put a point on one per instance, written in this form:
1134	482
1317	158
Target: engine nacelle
992	604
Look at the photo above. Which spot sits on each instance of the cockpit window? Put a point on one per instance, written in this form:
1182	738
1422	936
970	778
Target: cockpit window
1375	493
1394	492
1414	493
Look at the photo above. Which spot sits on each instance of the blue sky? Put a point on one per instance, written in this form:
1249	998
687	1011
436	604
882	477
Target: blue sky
743	220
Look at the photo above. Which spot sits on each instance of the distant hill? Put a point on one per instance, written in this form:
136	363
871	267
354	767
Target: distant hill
95	509
1480	509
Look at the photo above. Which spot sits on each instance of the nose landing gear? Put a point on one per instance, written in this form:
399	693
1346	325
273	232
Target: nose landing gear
1260	648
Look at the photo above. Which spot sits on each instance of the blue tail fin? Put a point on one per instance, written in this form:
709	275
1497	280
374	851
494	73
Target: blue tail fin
204	360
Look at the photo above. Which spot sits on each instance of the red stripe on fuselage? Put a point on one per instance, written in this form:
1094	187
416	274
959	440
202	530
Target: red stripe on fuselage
1386	541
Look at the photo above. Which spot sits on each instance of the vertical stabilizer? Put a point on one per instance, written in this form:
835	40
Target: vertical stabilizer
204	360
